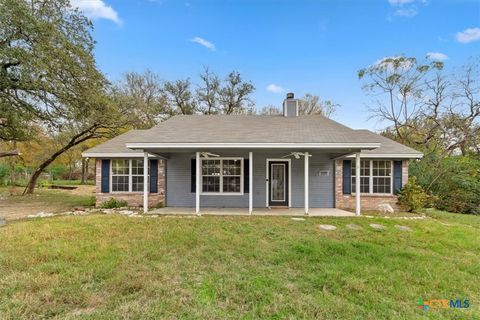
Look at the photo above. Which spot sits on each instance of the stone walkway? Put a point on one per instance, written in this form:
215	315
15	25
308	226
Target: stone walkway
138	214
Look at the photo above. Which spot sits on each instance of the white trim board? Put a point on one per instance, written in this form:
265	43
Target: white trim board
153	145
388	156
115	155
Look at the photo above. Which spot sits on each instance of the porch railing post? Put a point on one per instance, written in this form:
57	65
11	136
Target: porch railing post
146	183
306	182
250	182
197	183
357	184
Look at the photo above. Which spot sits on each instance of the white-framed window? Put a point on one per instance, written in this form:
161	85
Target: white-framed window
127	175
375	177
222	176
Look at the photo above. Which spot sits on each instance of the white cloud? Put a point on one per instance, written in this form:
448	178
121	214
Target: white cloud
399	2
97	9
275	88
437	56
468	35
407	12
207	44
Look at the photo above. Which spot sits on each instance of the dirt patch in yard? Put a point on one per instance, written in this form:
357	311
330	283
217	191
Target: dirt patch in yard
15	206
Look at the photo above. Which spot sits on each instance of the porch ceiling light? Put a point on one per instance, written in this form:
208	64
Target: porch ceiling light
208	154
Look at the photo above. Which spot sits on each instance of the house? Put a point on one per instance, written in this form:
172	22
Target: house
252	161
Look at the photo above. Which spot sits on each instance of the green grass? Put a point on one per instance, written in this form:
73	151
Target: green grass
42	182
44	199
110	267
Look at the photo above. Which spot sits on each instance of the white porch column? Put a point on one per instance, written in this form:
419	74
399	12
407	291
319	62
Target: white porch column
146	183
197	183
250	182
357	184
306	182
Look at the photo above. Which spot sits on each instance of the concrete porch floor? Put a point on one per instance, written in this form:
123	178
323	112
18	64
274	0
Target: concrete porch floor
313	212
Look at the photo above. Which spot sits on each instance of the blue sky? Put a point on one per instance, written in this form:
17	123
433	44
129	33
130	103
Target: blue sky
299	46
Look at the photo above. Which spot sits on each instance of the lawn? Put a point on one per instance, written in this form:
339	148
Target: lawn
111	266
14	206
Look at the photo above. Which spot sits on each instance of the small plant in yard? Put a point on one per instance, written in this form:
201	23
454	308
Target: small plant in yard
92	201
114	203
412	197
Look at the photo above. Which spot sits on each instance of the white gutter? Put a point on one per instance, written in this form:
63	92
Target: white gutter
116	155
136	145
388	155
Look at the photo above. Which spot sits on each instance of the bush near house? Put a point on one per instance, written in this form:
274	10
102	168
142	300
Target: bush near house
412	197
453	181
114	203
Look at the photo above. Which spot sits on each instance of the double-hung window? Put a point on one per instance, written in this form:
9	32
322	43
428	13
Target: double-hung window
127	175
375	177
222	175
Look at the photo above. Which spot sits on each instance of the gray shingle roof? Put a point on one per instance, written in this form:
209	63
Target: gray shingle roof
116	145
249	129
388	146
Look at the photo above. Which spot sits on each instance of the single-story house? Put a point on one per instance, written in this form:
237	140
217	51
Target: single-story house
252	161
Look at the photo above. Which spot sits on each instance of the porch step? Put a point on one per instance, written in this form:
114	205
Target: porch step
279	207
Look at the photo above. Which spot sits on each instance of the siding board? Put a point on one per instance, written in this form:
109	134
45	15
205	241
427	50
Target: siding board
321	186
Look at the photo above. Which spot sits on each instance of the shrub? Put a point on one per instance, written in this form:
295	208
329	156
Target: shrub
412	197
114	203
3	173
91	201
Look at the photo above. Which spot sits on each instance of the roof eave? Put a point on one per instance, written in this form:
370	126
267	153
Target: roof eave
242	145
389	155
115	155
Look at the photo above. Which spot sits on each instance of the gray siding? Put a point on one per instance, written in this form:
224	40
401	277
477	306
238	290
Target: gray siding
321	187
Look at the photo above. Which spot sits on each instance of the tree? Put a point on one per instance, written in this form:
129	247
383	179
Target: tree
208	92
179	97
140	96
399	81
48	76
308	104
234	95
270	110
423	106
311	104
212	96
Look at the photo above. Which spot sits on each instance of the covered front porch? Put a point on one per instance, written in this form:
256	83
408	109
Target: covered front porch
267	181
313	212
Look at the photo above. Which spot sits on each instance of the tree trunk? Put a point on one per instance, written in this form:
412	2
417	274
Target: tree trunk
79	138
84	168
9	153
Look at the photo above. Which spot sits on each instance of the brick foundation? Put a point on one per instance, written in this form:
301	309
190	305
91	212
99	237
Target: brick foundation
367	201
134	199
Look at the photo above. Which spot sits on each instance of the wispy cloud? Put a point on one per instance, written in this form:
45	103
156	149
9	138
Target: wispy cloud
405	8
437	56
275	88
468	35
207	44
97	9
407	12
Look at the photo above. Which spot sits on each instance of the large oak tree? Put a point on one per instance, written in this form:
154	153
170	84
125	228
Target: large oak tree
48	77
